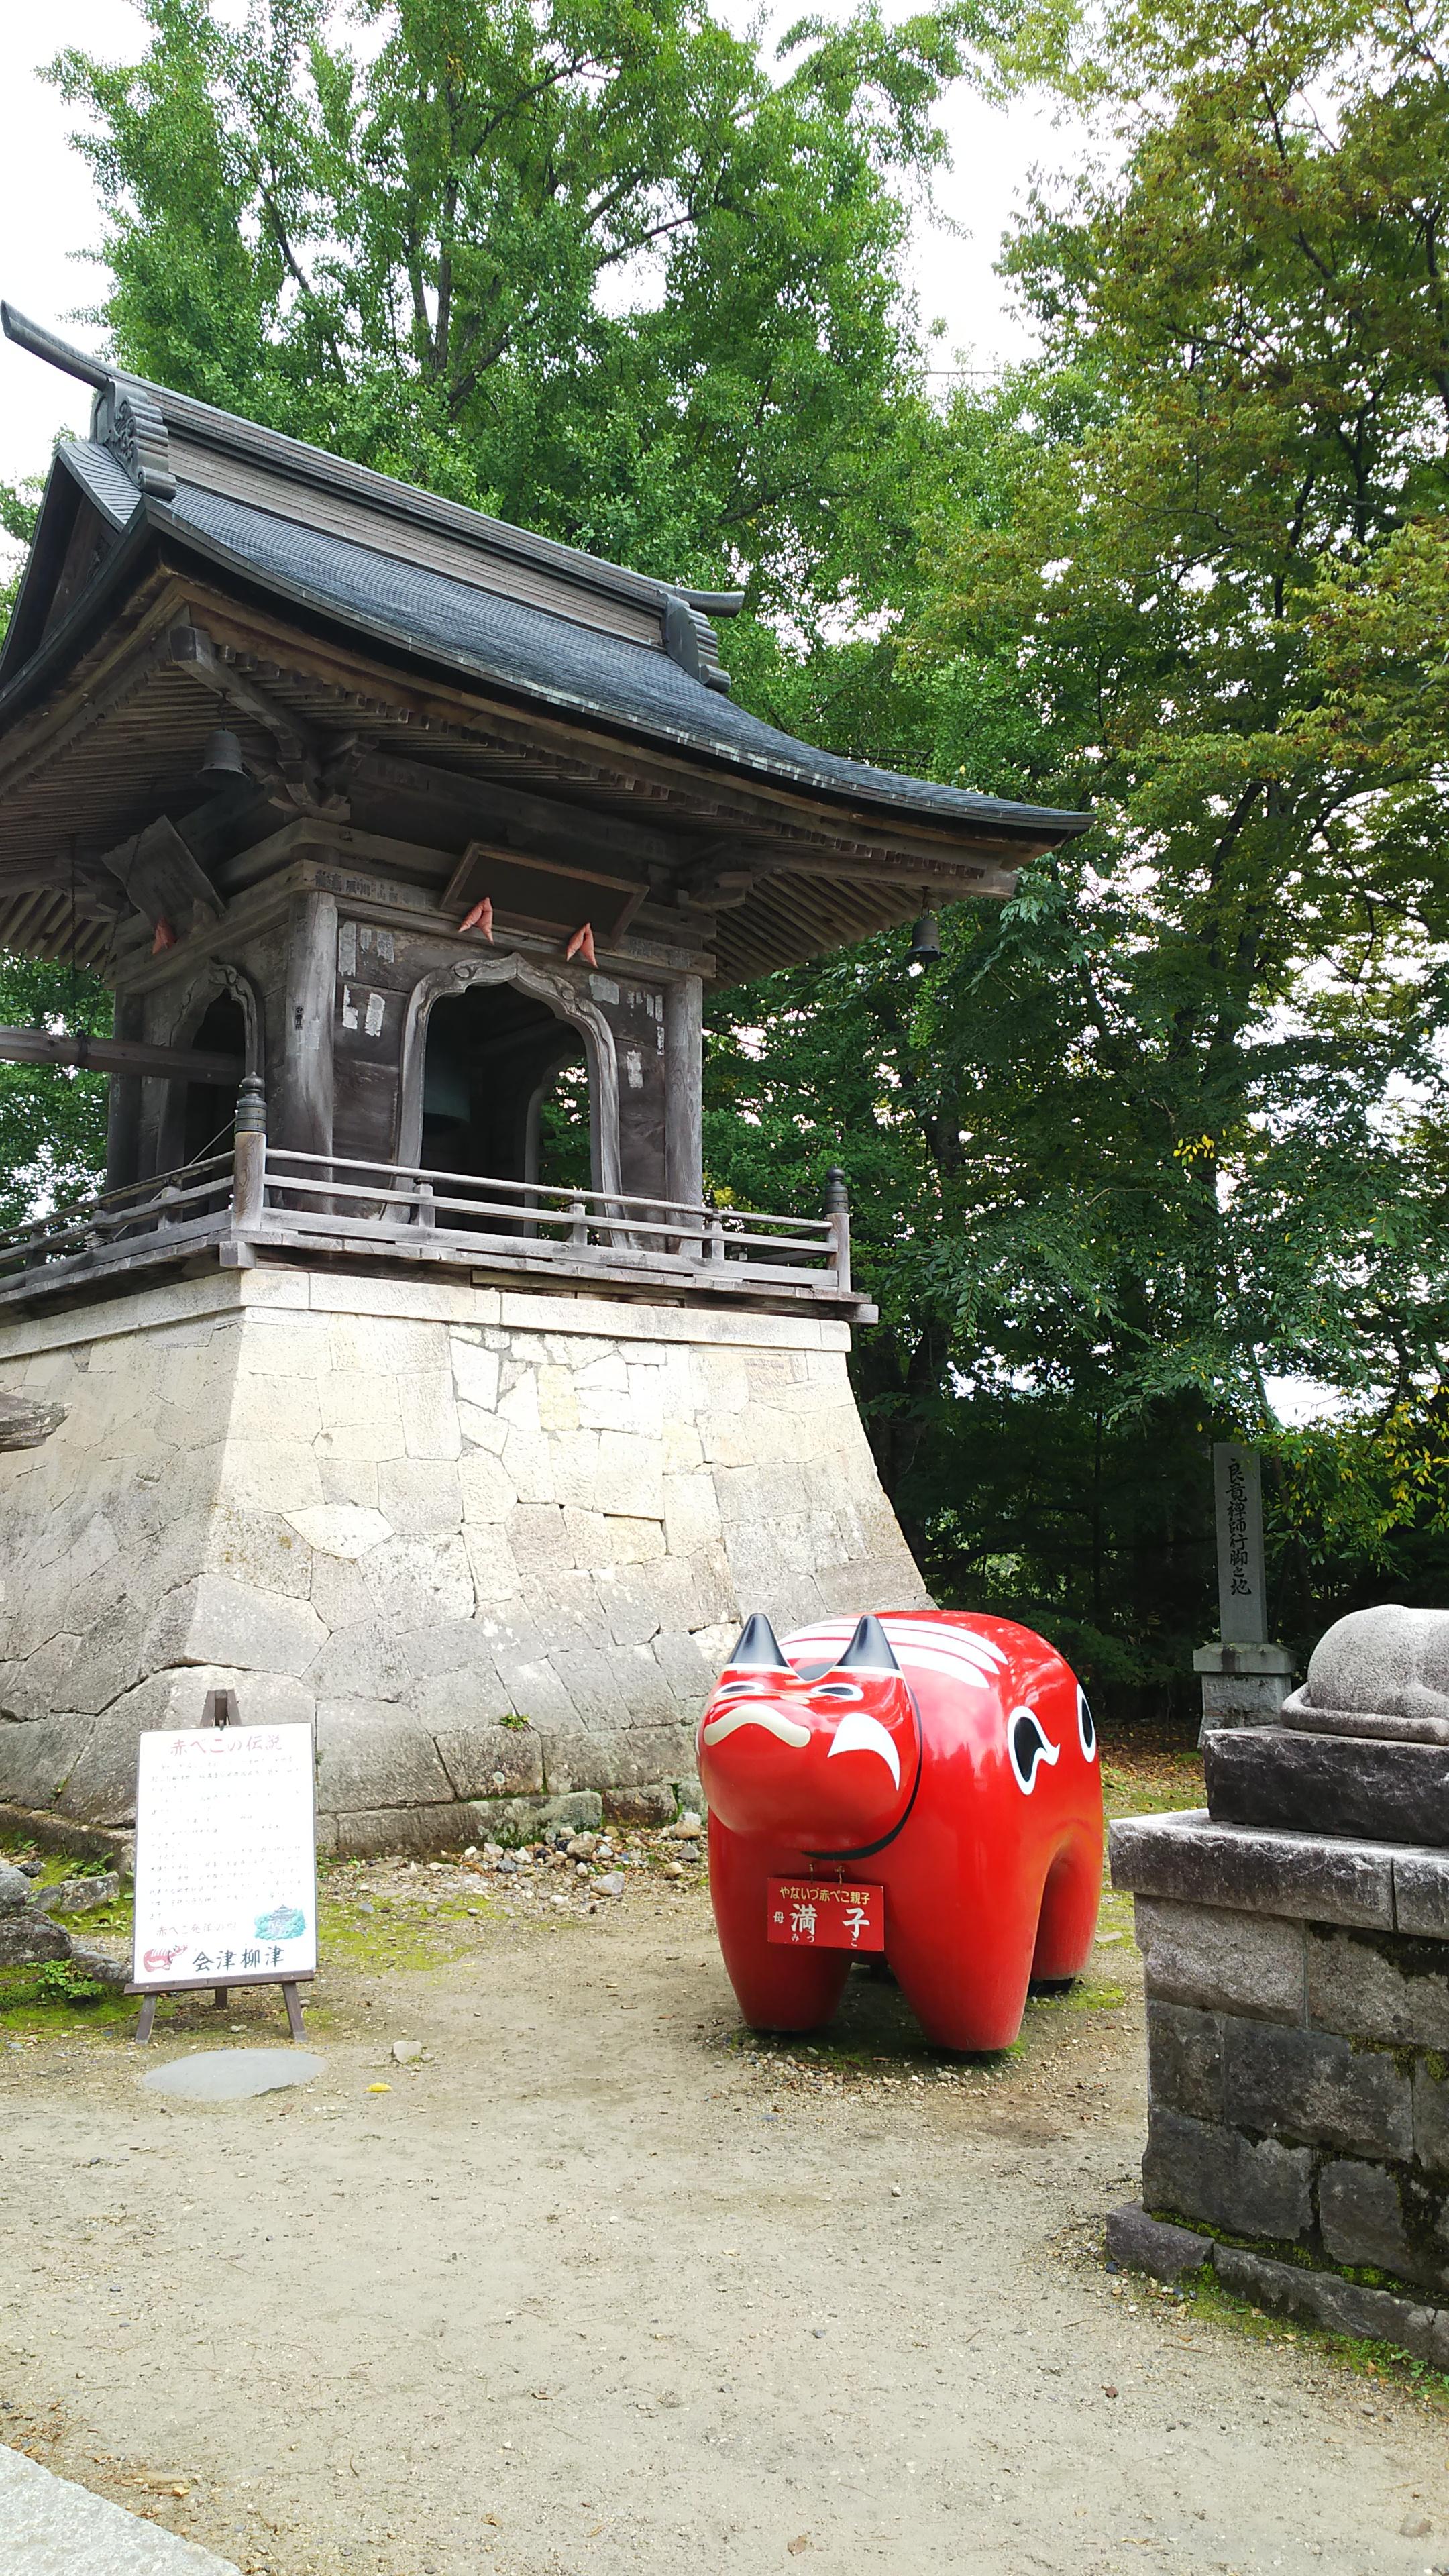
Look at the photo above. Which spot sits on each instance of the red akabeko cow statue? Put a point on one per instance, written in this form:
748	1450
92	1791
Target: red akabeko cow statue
923	1783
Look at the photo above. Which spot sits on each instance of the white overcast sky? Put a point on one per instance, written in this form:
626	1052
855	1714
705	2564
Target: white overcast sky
48	213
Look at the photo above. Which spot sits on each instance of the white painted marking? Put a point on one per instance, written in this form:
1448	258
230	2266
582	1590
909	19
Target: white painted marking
749	1713
858	1733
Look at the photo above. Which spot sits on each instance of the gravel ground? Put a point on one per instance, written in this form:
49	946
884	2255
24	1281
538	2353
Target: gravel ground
594	2283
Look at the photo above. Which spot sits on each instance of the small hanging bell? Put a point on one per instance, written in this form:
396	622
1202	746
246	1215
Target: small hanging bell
925	947
222	758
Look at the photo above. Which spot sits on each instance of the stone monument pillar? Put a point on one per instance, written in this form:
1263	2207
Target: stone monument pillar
1243	1676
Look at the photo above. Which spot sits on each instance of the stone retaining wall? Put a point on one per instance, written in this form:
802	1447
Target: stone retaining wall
495	1544
1298	2040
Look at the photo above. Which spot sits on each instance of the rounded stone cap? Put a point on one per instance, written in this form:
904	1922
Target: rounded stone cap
1380	1672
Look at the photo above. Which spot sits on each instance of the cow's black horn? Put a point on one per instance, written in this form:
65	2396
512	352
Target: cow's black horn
757	1649
869	1650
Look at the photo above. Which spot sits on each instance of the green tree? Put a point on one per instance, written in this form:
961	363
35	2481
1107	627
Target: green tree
591	267
586	265
1175	1119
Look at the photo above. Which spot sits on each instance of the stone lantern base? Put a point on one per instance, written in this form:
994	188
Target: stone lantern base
494	1543
1298	2051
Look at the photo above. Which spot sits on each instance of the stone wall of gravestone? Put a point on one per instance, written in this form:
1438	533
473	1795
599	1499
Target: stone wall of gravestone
415	1512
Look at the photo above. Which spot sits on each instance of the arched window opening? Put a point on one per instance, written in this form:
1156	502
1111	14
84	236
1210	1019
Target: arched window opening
209	1110
505	1091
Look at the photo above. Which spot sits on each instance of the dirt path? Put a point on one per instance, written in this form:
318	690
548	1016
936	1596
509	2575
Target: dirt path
590	2290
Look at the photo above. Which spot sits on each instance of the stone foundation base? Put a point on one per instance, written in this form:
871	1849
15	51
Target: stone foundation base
1298	2041
494	1544
1139	2243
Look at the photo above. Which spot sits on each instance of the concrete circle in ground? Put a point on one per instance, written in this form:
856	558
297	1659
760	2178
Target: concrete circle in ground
234	2074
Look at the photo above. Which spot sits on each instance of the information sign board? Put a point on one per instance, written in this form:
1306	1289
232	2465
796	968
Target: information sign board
226	1858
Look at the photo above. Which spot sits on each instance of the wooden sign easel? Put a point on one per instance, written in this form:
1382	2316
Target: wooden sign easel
220	1711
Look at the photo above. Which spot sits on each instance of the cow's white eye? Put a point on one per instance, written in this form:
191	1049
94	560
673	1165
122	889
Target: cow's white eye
1086	1725
837	1690
742	1690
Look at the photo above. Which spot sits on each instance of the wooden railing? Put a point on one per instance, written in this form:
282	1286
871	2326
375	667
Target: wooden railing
265	1194
177	1204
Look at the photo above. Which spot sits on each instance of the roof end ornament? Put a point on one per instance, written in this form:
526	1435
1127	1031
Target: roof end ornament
128	421
690	640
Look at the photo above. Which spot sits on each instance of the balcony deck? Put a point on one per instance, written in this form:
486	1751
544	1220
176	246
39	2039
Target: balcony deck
265	1203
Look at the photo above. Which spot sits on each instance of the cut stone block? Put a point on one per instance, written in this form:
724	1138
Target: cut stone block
1309	1876
398	1763
1185	2060
1152	2245
1341	2307
492	1761
1315	2088
1220	1960
1199	2169
633	1758
365	1833
657	1804
1328	1784
36	1759
1361	2220
1431	2116
1369	1988
1421	1894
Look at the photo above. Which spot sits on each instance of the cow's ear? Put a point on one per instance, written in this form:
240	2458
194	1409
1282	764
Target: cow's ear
757	1649
869	1650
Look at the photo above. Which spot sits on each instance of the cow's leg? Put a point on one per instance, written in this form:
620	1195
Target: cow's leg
1068	1911
962	1955
777	1987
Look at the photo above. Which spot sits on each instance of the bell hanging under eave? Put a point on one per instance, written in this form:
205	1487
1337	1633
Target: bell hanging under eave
925	949
222	758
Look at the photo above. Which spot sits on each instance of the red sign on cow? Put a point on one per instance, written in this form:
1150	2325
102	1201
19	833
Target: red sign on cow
821	1914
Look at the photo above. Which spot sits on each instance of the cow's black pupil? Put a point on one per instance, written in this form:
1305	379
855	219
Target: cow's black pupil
1089	1731
1029	1742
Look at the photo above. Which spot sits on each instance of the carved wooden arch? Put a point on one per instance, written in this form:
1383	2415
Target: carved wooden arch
206	988
191	1010
558	995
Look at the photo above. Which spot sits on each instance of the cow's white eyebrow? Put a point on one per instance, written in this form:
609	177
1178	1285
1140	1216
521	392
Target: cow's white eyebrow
773	1720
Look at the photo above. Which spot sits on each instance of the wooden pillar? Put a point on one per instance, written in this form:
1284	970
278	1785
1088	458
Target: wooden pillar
683	1090
123	1109
302	1058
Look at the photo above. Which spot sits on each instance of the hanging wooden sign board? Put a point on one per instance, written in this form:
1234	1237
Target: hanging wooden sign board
226	1861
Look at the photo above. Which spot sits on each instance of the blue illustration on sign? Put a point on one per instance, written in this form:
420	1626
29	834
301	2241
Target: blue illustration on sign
284	1923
